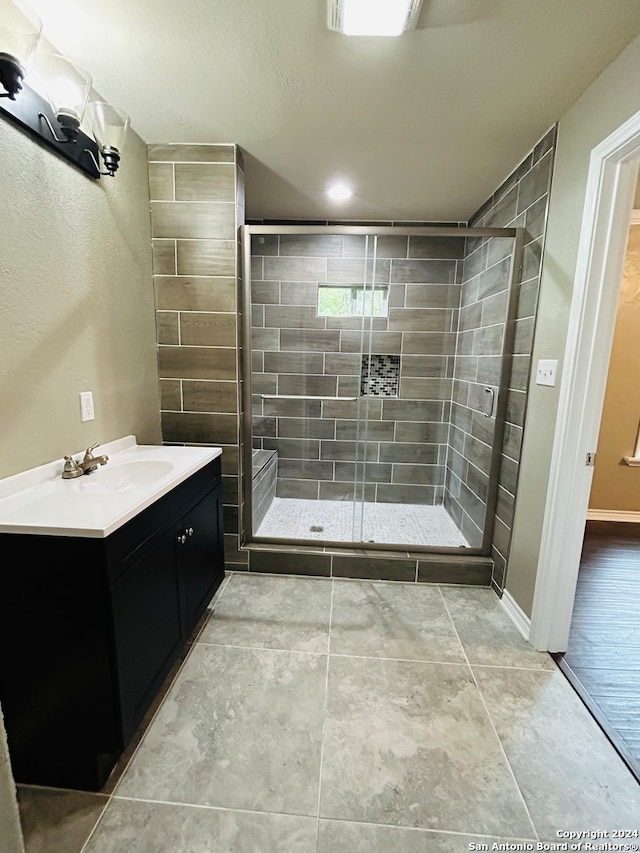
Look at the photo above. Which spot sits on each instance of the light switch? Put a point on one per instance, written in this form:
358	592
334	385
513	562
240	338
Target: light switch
547	370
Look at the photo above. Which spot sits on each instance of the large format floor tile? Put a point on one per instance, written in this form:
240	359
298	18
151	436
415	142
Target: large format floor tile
271	739
486	632
410	744
566	769
56	821
139	827
240	728
379	620
272	612
345	837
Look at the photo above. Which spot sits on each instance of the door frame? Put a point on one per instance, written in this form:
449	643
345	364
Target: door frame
611	183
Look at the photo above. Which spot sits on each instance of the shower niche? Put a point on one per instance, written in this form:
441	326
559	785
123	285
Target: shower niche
375	363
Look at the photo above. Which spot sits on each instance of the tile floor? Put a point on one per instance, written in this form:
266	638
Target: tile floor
341	521
335	716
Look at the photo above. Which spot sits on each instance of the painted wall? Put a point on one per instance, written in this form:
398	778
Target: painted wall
77	314
603	107
77	310
615	485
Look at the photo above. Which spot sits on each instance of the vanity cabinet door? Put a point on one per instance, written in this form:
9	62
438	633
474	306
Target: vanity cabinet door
201	557
147	627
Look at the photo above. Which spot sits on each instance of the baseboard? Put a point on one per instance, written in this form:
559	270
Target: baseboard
516	614
613	515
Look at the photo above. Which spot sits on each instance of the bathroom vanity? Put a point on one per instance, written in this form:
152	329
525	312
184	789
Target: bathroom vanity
104	579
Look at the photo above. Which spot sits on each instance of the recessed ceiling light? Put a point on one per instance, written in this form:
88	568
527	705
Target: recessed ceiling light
339	192
372	17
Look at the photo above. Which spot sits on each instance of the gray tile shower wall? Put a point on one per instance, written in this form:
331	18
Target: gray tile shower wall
197	204
297	352
522	202
482	323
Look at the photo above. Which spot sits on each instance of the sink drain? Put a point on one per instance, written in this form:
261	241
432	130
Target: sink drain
316	528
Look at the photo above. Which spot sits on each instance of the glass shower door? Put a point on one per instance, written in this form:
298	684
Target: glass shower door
377	361
308	303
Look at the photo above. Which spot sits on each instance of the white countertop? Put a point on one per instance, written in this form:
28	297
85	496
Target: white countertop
40	502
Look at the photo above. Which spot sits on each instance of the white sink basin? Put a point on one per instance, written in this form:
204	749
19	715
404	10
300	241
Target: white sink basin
121	476
39	501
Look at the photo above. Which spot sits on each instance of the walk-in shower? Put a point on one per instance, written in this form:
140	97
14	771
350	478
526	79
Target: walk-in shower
375	362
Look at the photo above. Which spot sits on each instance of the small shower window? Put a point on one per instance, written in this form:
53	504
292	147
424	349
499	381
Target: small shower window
352	300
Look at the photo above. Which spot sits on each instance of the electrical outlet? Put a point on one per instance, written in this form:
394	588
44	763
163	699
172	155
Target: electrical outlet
86	406
547	370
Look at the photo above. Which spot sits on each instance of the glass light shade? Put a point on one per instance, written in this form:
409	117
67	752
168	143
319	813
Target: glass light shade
108	124
20	30
63	83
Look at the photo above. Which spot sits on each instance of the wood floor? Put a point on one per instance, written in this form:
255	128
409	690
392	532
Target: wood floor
603	658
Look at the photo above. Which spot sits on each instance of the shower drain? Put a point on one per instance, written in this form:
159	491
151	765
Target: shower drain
316	528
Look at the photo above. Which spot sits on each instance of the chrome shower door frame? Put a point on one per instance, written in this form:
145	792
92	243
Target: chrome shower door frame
499	402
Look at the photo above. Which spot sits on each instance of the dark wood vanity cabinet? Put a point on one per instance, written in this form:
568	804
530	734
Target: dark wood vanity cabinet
90	628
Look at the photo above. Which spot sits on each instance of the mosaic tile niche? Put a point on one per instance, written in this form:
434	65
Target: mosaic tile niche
380	375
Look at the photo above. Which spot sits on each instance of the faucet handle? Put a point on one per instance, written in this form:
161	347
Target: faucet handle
71	469
88	454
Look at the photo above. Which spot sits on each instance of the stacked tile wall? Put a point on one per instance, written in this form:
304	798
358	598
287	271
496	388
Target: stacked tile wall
197	204
522	202
484	298
296	352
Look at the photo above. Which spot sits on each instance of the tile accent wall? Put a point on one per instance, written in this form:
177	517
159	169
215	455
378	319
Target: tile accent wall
484	301
197	205
521	201
297	352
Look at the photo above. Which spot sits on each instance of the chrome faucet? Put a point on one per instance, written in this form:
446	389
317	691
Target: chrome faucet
89	463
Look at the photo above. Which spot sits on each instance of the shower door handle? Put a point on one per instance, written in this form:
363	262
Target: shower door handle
493	400
303	397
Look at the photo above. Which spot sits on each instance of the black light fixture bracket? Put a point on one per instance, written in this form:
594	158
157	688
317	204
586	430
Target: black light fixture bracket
32	113
111	158
11	75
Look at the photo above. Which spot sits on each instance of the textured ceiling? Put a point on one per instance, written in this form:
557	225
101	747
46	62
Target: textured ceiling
424	126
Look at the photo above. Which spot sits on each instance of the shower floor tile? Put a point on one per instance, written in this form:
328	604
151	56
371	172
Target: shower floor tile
341	521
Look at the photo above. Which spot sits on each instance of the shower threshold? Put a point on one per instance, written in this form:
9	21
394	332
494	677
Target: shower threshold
383	523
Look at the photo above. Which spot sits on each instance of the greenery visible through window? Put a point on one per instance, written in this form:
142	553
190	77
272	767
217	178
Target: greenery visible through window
352	300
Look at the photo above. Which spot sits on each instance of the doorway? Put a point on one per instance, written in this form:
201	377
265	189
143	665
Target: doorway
609	200
602	660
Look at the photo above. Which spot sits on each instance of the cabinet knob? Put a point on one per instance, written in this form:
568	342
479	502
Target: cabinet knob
190	531
182	539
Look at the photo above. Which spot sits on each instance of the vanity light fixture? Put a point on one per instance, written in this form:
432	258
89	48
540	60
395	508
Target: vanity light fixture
66	87
339	192
20	30
109	126
52	107
372	17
